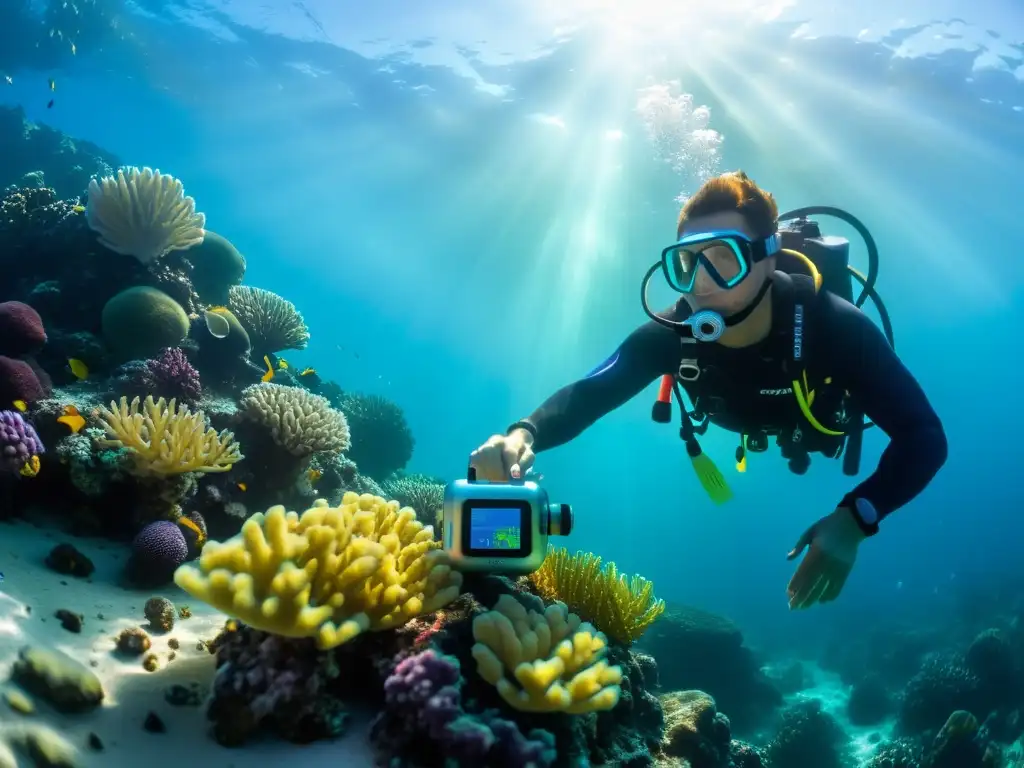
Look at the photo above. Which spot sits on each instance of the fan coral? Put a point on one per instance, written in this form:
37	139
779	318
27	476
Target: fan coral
422	493
20	446
624	609
329	573
382	442
166	440
143	213
299	421
21	329
274	324
557	661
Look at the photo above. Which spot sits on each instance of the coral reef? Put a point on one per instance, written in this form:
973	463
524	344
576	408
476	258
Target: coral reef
20	446
382	442
273	323
299	421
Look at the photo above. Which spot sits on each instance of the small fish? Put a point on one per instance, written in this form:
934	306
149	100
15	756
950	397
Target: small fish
21	405
73	49
78	208
49	104
216	324
270	369
242	487
72	419
31	467
53	83
9	80
314	475
80	369
282	364
308	372
1	577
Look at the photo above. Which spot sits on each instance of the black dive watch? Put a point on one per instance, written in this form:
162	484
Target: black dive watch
865	515
525	425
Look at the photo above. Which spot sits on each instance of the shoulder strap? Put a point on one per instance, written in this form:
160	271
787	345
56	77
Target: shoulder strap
796	303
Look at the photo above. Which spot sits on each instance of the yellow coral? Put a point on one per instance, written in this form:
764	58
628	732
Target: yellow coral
329	573
167	440
557	660
624	609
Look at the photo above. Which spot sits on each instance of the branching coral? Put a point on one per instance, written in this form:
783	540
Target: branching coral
299	421
623	609
329	573
273	323
557	660
166	440
143	213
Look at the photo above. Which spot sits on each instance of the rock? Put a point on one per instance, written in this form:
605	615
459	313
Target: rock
45	747
154	724
66	559
95	742
71	621
62	681
180	696
694	729
18	701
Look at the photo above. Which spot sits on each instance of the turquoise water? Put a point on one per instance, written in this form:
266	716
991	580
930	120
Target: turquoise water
461	199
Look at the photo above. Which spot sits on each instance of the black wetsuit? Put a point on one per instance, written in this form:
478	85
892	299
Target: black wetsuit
747	390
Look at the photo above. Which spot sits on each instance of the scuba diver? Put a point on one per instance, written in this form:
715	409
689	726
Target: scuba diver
767	342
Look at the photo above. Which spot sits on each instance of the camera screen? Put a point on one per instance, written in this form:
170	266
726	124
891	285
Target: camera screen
497	529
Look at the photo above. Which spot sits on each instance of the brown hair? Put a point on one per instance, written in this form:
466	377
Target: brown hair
734	191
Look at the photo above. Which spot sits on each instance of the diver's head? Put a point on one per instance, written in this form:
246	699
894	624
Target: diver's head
727	235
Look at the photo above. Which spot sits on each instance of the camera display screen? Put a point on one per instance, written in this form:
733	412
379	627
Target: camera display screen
497	529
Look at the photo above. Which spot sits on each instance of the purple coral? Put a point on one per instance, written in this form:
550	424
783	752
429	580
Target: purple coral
172	375
157	551
18	441
424	691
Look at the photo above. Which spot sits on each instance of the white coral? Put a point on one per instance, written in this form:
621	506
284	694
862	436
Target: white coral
143	213
299	421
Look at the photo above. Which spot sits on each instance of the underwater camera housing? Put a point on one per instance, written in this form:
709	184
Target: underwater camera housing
500	527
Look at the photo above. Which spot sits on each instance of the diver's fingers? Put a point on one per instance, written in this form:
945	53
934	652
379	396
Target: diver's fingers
820	587
526	459
511	450
803	580
836	584
487	460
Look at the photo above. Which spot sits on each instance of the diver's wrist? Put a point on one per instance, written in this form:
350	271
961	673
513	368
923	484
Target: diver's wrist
526	430
864	514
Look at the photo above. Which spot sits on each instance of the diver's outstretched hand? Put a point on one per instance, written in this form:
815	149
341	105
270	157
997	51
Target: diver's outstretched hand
831	545
504	457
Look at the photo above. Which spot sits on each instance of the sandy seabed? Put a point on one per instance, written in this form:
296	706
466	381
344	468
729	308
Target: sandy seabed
30	594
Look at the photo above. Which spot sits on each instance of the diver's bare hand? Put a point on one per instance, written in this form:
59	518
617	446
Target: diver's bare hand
504	457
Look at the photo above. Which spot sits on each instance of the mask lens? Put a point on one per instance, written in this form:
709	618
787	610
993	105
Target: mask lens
721	259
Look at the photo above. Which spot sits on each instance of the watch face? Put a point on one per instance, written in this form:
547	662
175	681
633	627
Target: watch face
867	511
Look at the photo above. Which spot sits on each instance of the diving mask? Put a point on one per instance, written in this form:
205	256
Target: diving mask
726	256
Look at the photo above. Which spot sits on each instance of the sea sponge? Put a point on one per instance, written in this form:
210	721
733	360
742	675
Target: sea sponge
329	573
143	213
21	329
19	380
167	440
216	266
557	660
160	613
299	421
140	321
623	609
273	323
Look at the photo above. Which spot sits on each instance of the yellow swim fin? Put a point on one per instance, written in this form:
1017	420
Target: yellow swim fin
710	478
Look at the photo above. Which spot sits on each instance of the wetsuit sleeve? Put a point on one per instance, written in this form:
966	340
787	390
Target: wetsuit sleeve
889	395
652	350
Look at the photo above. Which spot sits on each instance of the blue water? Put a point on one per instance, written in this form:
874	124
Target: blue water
462	198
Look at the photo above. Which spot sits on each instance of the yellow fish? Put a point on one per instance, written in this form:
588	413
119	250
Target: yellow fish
80	369
270	369
72	418
31	468
314	475
308	372
283	364
78	208
21	405
242	487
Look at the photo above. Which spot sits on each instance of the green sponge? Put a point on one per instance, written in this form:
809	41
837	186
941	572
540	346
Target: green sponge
139	322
